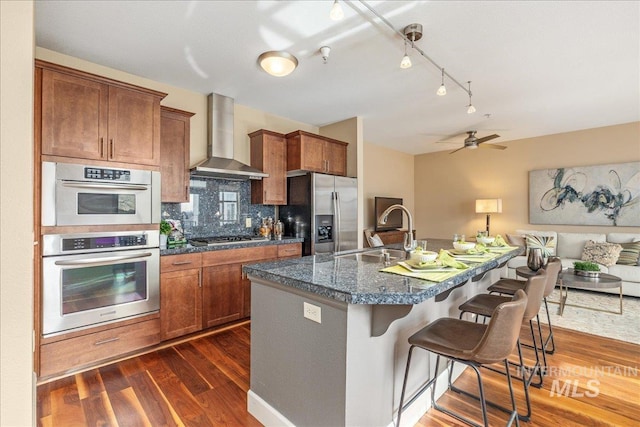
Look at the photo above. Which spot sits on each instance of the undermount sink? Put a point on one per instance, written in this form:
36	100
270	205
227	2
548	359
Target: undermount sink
375	255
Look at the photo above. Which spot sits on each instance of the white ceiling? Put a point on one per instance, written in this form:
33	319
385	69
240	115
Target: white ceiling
537	68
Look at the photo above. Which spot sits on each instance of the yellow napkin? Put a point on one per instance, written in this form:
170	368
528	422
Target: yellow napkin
449	261
478	249
430	276
499	241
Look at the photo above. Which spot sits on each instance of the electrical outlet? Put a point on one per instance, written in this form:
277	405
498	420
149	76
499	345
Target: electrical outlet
312	312
247	222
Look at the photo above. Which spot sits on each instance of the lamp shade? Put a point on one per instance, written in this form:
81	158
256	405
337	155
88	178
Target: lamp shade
488	205
278	63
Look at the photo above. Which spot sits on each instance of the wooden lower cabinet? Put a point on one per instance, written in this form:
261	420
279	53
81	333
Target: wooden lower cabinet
199	291
222	294
180	302
73	353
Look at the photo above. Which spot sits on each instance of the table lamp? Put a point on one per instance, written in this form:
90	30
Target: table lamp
488	206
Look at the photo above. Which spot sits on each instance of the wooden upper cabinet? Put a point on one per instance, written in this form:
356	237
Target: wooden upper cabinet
134	127
174	154
315	153
74	116
269	154
86	116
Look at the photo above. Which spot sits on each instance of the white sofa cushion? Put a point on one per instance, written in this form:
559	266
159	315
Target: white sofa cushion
628	273
623	237
571	245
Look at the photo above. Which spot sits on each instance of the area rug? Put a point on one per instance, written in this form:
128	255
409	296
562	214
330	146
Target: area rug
624	327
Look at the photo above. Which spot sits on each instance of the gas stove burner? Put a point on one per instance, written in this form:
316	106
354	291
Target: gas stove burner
222	240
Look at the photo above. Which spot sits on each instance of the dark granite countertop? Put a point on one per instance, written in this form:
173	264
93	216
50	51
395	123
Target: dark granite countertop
188	249
357	282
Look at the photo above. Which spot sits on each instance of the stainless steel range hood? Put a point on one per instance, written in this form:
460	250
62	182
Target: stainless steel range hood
220	162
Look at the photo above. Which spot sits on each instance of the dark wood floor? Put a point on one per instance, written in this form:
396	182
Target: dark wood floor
203	382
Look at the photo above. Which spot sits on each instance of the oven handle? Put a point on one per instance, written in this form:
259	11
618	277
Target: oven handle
105	186
102	261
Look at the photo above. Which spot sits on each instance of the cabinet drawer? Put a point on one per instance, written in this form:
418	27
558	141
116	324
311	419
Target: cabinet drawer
180	262
289	250
241	255
71	354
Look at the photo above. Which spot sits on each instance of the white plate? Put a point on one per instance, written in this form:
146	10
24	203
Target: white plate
424	269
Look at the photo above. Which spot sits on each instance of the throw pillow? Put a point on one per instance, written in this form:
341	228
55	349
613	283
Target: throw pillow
630	254
516	240
546	243
601	252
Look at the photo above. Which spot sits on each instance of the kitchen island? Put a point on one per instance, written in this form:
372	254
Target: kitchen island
329	337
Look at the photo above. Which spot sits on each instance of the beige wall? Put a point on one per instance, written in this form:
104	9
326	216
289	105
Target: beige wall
387	173
447	185
16	213
246	120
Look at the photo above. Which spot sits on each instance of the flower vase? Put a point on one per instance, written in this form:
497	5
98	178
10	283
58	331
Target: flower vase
535	259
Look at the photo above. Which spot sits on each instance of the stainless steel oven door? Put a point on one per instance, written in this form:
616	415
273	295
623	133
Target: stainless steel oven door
89	289
84	195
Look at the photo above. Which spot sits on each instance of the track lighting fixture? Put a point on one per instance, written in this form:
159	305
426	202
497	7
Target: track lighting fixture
336	13
470	109
406	61
442	90
412	33
324	51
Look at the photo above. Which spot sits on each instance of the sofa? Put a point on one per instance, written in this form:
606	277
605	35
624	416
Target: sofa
569	247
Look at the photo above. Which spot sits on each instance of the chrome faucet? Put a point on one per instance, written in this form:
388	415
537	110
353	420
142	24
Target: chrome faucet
409	243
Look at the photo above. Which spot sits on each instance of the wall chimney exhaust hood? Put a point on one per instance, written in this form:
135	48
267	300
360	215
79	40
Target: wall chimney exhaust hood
220	162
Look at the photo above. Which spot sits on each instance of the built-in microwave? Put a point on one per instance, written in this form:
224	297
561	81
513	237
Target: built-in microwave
75	194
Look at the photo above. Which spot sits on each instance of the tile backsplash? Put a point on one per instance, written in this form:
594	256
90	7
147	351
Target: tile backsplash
218	207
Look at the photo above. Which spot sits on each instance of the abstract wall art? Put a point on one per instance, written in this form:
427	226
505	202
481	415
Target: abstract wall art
586	195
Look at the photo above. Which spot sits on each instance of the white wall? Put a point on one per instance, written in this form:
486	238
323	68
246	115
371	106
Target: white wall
16	213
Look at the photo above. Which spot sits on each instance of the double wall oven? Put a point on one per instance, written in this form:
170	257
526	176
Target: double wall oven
101	276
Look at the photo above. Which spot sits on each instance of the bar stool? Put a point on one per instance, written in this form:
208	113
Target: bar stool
510	286
474	345
485	304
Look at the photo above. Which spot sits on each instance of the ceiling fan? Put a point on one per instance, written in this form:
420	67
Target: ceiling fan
472	142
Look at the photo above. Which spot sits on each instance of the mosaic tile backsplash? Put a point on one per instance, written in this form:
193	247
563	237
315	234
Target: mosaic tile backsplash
218	207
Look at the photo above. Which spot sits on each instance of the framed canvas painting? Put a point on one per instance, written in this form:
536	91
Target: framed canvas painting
586	195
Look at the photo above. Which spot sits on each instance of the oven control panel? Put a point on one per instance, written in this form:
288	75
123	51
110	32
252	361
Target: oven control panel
107	174
103	242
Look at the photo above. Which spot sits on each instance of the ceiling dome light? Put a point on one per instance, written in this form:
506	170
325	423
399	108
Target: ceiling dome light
336	13
278	63
442	90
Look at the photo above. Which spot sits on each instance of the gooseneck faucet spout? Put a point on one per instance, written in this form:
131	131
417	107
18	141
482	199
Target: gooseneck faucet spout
409	243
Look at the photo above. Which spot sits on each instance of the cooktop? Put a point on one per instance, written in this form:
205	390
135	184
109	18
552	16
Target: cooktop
223	240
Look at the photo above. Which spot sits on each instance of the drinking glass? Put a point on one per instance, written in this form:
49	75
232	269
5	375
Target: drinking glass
458	237
421	244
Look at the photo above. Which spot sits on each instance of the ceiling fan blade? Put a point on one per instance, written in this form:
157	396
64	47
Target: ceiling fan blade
461	148
487	138
494	146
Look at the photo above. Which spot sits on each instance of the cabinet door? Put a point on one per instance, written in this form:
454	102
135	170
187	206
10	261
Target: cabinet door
180	303
312	154
222	294
134	127
174	155
336	158
74	116
269	154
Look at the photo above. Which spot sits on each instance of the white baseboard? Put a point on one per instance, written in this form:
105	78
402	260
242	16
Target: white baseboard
265	413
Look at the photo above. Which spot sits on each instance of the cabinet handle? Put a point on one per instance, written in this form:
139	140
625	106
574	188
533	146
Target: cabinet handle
111	149
265	195
199	279
106	341
186	194
181	262
101	147
327	165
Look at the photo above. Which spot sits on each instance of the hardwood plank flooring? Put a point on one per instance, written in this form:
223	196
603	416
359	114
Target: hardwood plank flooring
204	382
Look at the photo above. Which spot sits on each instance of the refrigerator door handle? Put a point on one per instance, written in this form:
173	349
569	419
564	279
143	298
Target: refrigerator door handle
336	213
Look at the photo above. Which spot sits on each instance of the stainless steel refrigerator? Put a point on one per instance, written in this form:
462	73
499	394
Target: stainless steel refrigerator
324	210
